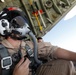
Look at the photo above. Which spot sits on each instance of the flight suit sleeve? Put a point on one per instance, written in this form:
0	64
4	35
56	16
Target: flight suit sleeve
46	50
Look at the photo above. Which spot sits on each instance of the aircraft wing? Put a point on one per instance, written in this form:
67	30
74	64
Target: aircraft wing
45	14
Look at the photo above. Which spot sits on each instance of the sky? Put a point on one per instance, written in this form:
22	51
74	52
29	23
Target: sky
64	33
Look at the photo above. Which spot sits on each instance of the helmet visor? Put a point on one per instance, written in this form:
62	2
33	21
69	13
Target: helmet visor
18	22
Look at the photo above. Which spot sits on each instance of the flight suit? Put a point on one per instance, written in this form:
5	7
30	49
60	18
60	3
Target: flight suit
46	51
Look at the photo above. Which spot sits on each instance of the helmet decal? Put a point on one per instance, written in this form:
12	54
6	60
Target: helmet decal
4	26
14	8
4	14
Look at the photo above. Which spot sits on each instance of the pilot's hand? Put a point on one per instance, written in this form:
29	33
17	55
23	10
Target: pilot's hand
22	68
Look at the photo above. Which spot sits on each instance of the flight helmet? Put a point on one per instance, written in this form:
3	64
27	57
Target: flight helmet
13	22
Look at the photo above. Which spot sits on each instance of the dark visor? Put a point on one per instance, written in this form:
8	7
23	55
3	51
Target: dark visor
18	22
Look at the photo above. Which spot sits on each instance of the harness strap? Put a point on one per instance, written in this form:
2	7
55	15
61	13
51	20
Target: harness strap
6	60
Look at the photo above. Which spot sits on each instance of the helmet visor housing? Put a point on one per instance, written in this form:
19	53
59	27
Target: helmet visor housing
20	26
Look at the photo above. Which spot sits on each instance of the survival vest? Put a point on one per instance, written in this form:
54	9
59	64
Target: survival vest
8	62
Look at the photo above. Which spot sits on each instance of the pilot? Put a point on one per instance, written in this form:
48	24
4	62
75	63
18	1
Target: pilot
13	52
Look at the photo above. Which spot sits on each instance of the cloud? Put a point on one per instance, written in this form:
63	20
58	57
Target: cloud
71	14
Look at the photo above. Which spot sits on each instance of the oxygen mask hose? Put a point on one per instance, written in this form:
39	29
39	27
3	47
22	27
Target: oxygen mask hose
35	48
28	31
